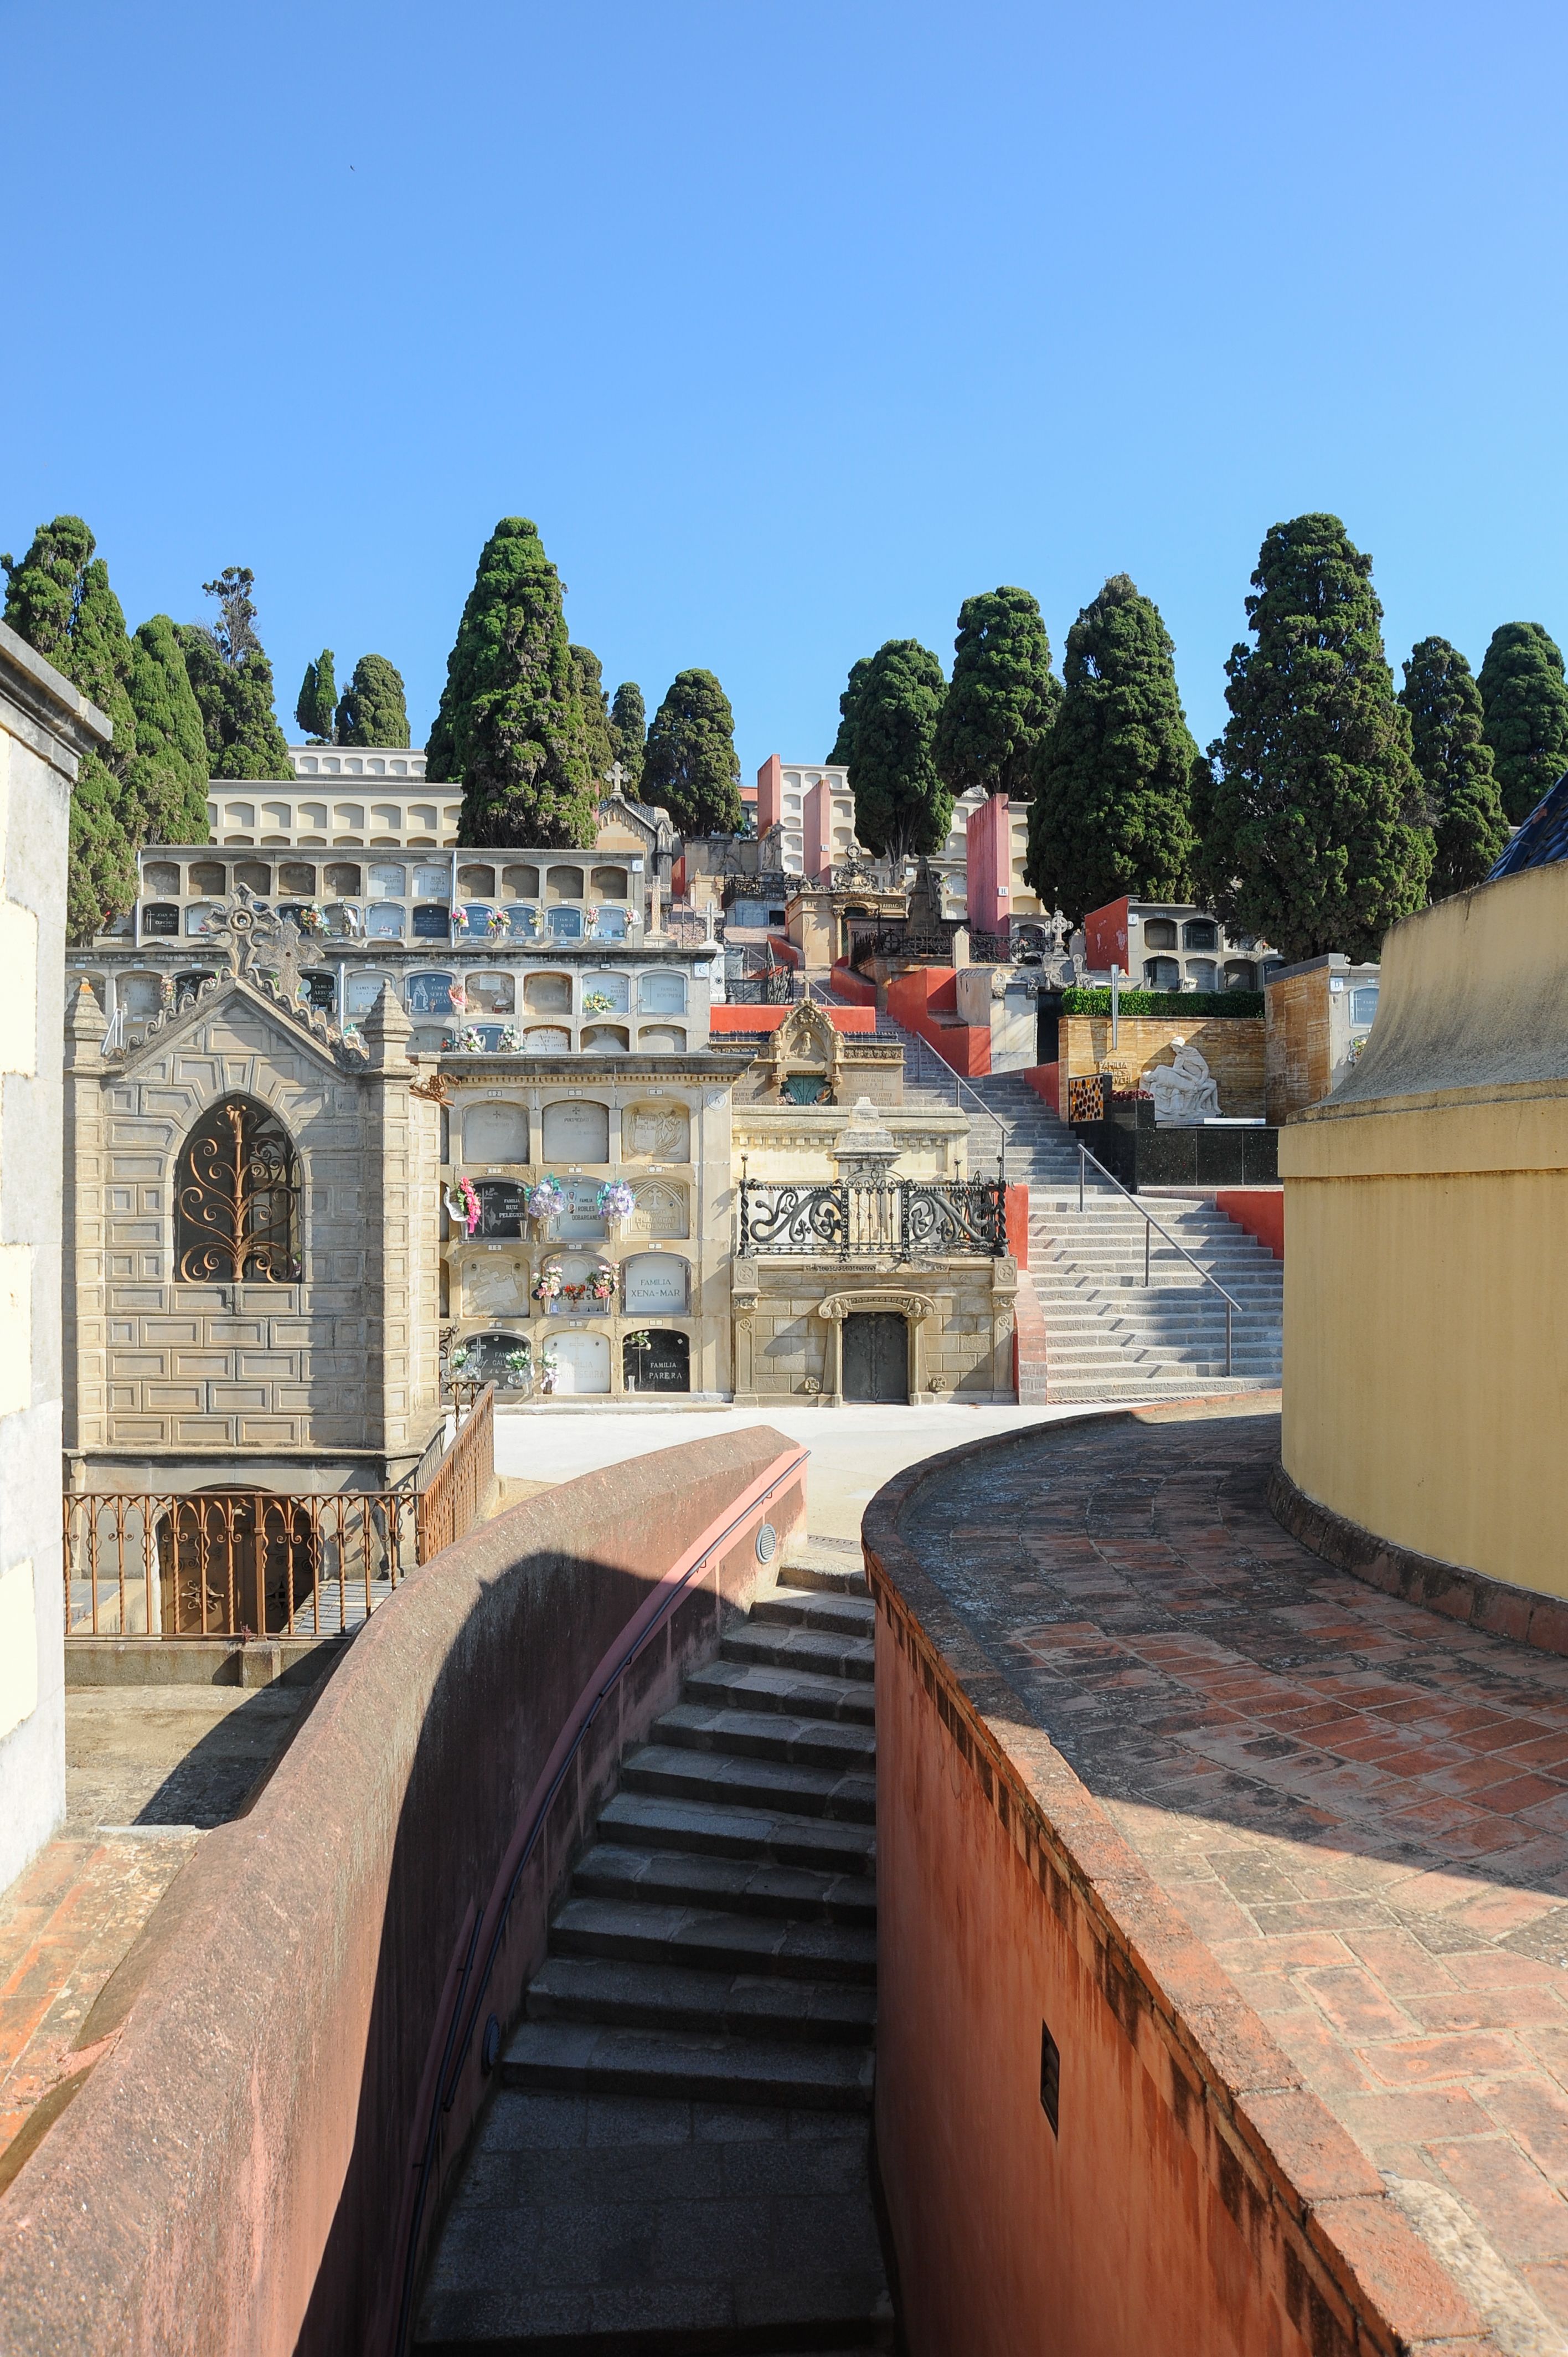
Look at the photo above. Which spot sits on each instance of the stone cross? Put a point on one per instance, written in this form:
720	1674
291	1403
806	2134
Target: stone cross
616	776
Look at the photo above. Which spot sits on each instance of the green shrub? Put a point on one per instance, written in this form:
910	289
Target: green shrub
1165	1001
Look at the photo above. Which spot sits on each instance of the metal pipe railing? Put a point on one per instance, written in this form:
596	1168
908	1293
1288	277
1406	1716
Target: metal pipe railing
1232	1303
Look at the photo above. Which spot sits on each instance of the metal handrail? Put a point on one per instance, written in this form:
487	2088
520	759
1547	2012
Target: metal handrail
1232	1303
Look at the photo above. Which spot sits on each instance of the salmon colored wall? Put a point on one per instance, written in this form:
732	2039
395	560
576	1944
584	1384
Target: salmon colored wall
770	793
988	864
1259	1209
1168	2215
860	1020
917	998
1018	1227
785	950
1046	1081
1105	938
852	985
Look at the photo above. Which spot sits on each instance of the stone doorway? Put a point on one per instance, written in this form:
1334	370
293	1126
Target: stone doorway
875	1356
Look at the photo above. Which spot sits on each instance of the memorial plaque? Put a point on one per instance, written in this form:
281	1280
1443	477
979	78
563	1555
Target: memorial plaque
503	1207
655	1285
576	1131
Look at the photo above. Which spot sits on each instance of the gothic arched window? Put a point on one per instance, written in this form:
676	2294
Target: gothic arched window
236	1201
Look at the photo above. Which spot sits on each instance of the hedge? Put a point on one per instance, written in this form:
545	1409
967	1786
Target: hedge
1165	1001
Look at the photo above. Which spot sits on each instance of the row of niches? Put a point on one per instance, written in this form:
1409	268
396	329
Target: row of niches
523	925
383	879
484	997
576	1362
567	1284
571	1130
662	1208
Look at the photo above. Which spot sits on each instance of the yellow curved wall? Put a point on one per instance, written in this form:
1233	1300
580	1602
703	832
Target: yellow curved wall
1426	1269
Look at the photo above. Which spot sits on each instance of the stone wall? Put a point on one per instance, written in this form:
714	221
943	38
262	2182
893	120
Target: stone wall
330	1382
1309	1034
789	1314
791	1142
1231	1046
45	727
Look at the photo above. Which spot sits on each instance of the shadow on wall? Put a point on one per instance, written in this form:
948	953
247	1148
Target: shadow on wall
300	2032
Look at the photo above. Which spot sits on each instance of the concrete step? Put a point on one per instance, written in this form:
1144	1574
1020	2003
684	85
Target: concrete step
713	1939
709	1824
768	1735
740	1885
753	1686
600	2227
673	1773
839	1616
591	2058
801	1649
671	1997
834	1567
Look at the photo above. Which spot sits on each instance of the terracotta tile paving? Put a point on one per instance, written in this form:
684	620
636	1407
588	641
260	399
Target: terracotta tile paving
1361	1807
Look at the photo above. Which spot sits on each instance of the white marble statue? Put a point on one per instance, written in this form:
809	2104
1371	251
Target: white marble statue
1185	1090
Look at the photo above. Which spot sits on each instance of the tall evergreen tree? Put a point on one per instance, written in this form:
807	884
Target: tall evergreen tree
689	767
318	706
842	753
598	737
1112	809
629	734
58	599
901	805
169	774
509	729
1526	705
1463	807
374	708
1002	698
1317	835
233	682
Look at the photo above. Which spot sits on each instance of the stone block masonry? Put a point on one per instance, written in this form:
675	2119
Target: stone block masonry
44	728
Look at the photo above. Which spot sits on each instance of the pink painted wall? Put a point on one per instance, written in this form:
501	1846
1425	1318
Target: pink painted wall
920	998
989	863
1046	1081
1018	1228
817	830
770	793
1105	937
1259	1209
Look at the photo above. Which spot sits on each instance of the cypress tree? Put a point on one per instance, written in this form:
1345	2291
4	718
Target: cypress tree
901	805
629	734
1317	835
1112	809
232	683
58	599
1455	764
169	774
1526	707
510	729
1002	699
374	709
598	740
842	753
316	708
689	767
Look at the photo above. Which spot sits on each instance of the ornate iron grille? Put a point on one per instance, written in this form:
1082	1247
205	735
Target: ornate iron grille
236	1200
901	1221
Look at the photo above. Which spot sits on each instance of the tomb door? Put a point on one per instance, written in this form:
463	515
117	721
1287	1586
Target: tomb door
875	1356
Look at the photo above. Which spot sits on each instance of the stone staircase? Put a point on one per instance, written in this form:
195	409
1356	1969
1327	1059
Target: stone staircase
676	2156
1088	1328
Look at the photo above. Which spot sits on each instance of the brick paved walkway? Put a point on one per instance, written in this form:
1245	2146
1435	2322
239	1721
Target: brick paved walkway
1361	1808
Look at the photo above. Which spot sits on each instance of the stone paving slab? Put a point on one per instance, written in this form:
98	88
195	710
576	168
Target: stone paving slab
1361	1808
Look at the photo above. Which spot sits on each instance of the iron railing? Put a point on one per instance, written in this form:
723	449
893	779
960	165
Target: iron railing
989	949
773	988
1232	1303
901	1220
255	1563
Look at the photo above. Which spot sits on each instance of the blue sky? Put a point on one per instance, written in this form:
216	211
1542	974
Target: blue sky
790	324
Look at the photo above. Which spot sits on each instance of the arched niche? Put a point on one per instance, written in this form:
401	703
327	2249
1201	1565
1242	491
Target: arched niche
657	1359
656	1284
656	1132
582	1361
495	1133
495	1285
576	1129
661	994
660	1210
548	994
